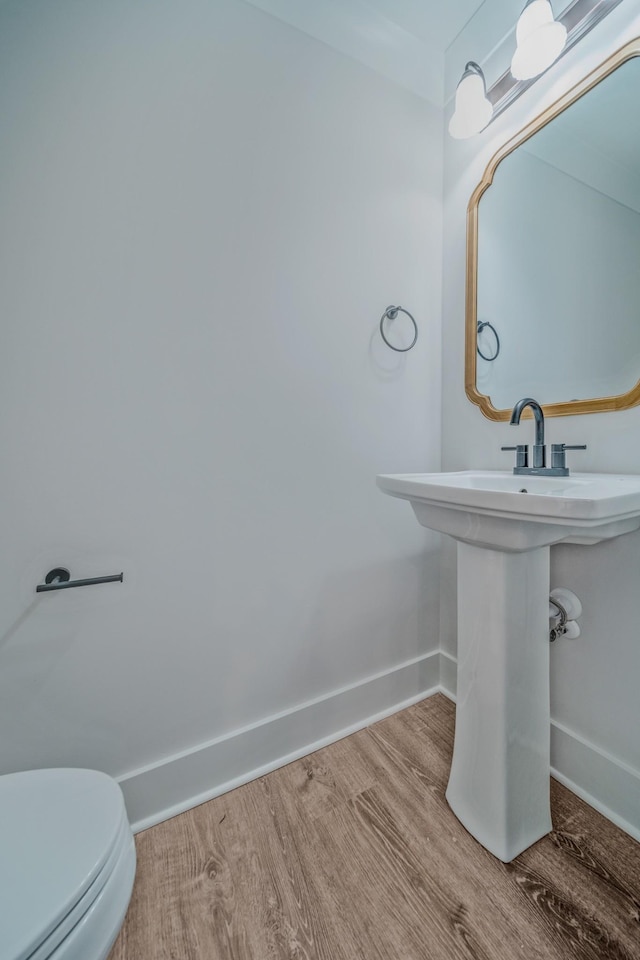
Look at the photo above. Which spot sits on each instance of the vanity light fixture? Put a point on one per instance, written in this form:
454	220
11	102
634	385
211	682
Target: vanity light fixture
540	39
473	111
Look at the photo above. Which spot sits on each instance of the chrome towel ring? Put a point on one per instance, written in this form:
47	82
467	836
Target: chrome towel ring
390	314
481	326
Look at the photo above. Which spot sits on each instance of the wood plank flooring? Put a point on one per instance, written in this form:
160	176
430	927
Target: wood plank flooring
353	854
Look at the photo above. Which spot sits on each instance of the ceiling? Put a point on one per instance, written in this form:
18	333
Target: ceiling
404	40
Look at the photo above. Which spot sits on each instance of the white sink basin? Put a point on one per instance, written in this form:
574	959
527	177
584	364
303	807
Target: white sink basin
504	525
497	509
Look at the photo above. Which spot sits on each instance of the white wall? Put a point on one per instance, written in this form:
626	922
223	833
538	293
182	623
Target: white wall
594	679
203	214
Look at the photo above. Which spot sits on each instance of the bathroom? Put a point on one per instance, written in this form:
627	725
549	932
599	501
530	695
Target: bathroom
205	209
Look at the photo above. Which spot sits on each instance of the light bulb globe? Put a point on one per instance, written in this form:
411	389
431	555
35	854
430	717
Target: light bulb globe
473	110
540	40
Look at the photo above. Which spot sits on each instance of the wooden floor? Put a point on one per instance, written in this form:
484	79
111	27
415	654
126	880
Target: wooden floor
353	854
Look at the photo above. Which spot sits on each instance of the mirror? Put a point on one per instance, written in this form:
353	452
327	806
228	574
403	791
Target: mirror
553	255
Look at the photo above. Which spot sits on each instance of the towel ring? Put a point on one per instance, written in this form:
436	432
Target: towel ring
390	314
481	326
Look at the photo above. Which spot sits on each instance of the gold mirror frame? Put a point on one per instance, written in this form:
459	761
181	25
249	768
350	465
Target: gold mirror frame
596	405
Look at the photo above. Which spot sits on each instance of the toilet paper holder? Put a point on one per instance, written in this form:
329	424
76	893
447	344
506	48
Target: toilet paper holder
60	579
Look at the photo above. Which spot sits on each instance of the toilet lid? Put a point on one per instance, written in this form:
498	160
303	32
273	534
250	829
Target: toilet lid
57	828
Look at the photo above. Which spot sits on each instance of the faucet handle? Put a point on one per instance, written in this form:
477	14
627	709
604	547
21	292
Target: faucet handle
558	458
522	454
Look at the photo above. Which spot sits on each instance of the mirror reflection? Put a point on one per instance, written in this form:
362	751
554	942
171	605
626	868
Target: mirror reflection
558	256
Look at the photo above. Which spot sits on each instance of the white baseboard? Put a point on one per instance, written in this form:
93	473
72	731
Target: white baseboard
177	783
603	781
448	675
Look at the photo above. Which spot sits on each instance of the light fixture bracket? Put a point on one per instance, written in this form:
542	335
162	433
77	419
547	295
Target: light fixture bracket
472	67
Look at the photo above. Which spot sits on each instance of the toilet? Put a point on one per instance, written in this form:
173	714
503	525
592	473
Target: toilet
67	863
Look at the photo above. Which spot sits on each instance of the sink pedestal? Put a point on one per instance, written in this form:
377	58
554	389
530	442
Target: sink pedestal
499	782
504	525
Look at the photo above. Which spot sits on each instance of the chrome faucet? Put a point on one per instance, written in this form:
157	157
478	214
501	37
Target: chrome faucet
539	448
558	466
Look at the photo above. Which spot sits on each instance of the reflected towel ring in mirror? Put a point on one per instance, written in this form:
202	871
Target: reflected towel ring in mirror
481	327
390	314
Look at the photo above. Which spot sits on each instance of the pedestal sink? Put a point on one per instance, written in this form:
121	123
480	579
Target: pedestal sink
504	524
